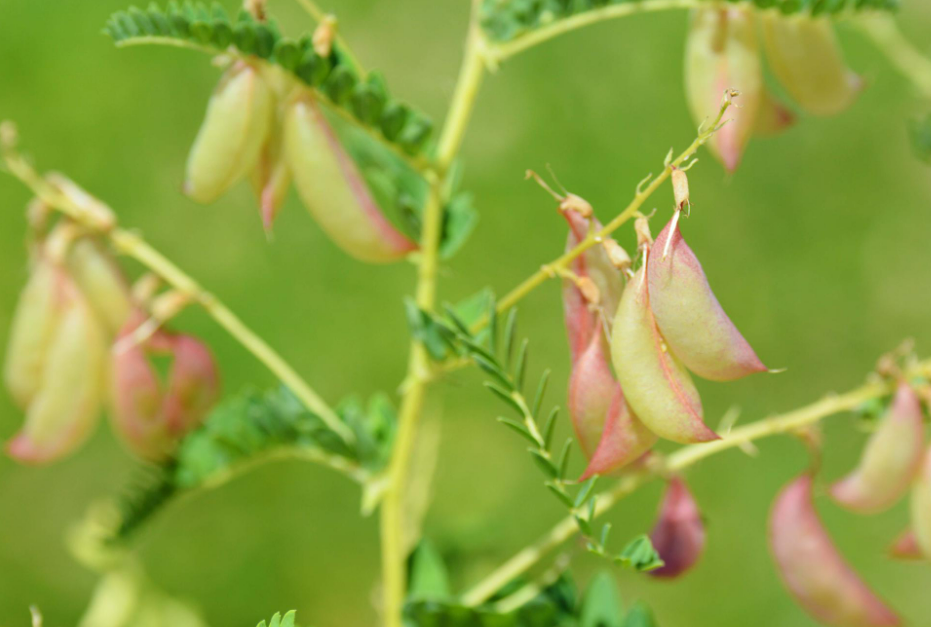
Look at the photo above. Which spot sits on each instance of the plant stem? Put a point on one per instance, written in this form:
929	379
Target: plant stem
132	245
394	553
902	54
678	461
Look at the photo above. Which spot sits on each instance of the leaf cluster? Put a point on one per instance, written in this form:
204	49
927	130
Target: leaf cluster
249	428
336	79
505	20
280	621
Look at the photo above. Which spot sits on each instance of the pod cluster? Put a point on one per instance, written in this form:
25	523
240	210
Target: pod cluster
60	368
334	76
723	52
894	461
505	20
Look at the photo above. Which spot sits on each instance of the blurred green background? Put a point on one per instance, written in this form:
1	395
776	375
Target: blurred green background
818	248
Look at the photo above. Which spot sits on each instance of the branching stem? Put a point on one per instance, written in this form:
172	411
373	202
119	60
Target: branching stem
678	461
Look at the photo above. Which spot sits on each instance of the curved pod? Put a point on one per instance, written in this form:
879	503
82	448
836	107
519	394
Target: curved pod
65	409
690	317
228	144
814	571
921	506
804	54
721	53
679	533
658	388
333	190
102	283
890	459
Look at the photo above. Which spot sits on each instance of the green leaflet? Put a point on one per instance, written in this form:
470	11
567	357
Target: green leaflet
335	78
280	621
248	428
506	20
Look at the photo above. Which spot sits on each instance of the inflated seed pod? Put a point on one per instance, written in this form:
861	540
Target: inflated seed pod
804	54
37	315
65	409
920	506
271	179
101	281
679	533
722	54
773	116
657	386
230	141
152	416
890	460
813	570
689	316
333	190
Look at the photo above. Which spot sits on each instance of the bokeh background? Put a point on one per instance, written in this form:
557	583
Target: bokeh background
819	249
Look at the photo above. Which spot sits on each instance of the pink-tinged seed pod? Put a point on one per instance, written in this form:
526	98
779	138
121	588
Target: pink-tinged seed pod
722	54
333	190
890	460
905	547
151	417
679	533
65	409
592	388
921	506
37	316
624	440
228	145
689	316
773	116
658	388
813	570
806	58
271	179
102	282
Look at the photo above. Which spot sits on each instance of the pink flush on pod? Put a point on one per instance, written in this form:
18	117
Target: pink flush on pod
890	460
657	385
333	190
679	534
152	416
690	317
721	53
905	547
813	570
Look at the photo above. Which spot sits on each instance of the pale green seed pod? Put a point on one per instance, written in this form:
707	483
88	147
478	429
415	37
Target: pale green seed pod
334	191
235	128
271	179
722	54
65	409
102	282
804	54
37	315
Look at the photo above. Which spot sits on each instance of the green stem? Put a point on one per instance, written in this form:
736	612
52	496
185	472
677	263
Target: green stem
394	553
902	54
678	461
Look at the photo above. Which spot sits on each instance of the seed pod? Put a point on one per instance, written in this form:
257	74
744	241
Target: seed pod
230	140
149	416
679	533
722	54
815	573
890	460
624	439
333	190
773	117
690	317
102	283
805	56
921	506
658	388
63	412
596	265
905	547
271	179
37	316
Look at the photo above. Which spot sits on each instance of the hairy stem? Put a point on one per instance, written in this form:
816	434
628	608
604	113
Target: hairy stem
394	553
679	460
132	245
